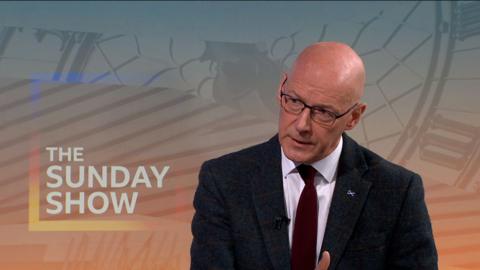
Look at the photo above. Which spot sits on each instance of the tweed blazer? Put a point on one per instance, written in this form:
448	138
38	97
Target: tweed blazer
377	220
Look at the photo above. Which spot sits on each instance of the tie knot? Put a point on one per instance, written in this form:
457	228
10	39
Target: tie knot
307	173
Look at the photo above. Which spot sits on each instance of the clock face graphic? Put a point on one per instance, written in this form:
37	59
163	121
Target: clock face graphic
420	61
182	99
448	134
425	123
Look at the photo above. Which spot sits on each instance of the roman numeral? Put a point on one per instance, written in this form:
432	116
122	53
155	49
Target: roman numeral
448	142
468	20
5	37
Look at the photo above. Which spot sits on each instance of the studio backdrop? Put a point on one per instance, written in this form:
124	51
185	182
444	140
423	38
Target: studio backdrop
108	109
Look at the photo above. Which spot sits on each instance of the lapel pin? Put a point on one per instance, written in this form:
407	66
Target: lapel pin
351	193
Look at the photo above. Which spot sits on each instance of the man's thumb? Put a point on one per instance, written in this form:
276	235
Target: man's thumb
324	262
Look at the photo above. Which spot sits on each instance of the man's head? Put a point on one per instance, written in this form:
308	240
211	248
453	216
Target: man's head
329	76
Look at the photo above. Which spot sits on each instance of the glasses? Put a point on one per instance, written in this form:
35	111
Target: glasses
317	114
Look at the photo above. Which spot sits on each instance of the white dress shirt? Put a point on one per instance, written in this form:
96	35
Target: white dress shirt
324	184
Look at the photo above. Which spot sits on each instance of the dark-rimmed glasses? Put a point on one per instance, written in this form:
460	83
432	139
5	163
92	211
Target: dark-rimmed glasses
317	114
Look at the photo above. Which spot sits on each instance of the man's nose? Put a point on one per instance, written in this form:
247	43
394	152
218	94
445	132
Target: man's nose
304	122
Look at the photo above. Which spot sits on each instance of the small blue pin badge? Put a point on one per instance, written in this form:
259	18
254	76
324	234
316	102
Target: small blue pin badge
351	193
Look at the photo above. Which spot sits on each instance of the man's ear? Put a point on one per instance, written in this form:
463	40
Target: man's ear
356	116
279	90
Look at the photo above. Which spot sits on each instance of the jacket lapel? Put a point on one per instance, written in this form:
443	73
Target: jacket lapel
348	198
269	204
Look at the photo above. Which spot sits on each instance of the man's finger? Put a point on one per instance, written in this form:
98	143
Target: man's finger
324	262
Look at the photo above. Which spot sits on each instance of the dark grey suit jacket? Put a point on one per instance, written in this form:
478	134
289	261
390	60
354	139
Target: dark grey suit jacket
239	200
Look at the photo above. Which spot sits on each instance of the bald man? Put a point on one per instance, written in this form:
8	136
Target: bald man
311	197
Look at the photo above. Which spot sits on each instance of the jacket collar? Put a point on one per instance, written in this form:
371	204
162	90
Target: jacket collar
348	199
269	201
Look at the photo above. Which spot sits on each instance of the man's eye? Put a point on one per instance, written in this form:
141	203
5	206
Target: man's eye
320	111
294	100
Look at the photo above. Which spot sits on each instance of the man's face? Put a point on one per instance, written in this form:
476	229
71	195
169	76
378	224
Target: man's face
302	139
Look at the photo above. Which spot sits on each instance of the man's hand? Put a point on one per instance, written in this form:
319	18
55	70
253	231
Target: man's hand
324	262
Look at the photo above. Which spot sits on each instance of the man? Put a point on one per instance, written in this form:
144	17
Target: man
312	194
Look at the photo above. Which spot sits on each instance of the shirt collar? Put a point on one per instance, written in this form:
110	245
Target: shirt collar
326	166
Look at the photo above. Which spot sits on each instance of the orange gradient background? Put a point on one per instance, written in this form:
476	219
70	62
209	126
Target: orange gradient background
186	82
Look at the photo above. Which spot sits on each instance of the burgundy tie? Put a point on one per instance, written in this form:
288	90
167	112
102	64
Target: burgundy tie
304	242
